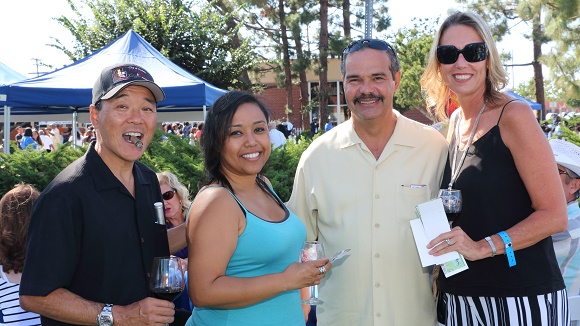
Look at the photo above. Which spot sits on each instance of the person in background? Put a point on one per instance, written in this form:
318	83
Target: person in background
289	126
199	131
27	139
176	202
393	164
314	127
567	243
327	126
93	232
15	208
277	138
252	277
512	198
19	135
47	144
186	129
55	134
37	139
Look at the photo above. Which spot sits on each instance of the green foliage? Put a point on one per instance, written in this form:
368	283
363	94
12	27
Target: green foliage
37	168
282	164
173	154
412	46
190	33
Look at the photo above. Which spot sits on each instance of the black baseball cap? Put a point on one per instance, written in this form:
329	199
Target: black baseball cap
115	78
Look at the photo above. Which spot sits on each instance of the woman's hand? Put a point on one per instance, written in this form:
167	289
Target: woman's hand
301	275
458	240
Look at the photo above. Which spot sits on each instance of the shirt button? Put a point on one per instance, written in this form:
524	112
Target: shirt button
377	196
142	240
378	314
377	285
377	255
148	274
377	225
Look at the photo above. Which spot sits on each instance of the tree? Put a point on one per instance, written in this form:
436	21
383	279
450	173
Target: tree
412	46
188	33
499	12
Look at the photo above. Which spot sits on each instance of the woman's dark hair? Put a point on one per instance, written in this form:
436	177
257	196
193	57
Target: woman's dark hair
28	131
216	132
15	211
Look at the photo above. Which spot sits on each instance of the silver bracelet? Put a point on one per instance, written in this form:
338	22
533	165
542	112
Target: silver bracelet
488	239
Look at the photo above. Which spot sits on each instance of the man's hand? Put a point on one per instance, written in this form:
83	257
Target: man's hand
149	311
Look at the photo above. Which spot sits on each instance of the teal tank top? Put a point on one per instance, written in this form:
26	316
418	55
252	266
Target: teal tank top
263	248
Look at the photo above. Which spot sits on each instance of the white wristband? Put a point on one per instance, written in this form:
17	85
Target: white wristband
488	239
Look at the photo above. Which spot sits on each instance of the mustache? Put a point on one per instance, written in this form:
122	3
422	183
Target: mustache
367	96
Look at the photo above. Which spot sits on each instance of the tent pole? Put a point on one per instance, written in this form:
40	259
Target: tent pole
6	129
204	112
74	129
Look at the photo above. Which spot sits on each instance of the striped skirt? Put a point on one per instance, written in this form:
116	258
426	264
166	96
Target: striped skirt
543	310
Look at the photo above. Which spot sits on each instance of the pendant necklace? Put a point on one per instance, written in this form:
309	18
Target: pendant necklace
454	168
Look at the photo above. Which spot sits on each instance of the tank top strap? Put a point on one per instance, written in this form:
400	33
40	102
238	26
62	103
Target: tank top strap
503	108
244	210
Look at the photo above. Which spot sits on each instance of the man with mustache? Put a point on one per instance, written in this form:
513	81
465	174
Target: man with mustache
357	186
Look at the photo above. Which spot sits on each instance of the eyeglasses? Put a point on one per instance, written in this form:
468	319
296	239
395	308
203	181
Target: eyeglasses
570	174
368	43
168	194
473	52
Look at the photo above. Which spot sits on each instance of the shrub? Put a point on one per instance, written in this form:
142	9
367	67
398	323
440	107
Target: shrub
173	154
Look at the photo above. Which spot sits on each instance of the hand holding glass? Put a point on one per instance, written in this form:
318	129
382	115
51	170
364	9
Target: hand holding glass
451	202
312	250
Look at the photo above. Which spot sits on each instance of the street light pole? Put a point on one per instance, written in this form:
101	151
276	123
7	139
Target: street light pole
368	19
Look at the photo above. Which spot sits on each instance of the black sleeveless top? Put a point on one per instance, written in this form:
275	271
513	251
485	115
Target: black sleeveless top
495	199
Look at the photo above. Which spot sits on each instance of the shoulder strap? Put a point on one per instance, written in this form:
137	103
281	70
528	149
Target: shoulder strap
504	109
244	210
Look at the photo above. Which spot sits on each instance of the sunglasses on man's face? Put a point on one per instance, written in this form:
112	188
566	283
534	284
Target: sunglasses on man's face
368	43
168	194
473	52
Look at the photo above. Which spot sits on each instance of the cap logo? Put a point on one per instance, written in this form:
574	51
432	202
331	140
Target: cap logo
130	73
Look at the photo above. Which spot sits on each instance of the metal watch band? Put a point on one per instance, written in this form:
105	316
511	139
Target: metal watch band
509	251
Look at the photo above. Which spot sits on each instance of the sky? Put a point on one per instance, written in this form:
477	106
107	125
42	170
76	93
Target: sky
29	25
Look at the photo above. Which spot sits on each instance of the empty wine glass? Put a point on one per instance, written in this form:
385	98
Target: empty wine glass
312	250
167	280
451	199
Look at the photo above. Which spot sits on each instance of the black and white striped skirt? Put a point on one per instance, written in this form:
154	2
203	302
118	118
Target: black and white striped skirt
543	310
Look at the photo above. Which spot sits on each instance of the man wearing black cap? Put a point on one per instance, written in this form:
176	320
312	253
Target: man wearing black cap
92	235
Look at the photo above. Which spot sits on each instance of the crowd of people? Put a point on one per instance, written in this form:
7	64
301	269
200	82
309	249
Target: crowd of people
80	252
51	136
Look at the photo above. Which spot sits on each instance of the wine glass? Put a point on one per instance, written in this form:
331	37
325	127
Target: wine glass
312	250
167	280
451	202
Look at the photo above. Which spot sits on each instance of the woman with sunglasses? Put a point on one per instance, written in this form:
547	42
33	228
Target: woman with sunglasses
176	202
512	196
244	243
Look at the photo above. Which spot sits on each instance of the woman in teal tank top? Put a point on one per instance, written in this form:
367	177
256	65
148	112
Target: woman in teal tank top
243	242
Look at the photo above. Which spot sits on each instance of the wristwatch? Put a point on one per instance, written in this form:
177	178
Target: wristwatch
105	318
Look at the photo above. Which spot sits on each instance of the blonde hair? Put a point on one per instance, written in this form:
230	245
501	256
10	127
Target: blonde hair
436	92
171	180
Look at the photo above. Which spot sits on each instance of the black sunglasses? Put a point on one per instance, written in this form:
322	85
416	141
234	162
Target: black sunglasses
168	194
368	43
473	52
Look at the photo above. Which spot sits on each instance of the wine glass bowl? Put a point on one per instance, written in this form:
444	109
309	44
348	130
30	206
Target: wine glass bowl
452	202
167	280
312	250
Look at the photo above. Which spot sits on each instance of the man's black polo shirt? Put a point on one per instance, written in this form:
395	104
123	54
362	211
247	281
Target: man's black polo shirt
90	236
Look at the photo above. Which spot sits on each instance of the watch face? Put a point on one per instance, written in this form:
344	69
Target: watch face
105	320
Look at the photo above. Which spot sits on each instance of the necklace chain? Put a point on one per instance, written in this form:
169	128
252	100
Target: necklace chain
454	167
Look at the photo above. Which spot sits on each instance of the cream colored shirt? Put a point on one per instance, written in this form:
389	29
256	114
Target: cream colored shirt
348	199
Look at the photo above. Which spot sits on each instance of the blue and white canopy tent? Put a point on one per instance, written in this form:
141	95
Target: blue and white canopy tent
532	104
66	93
